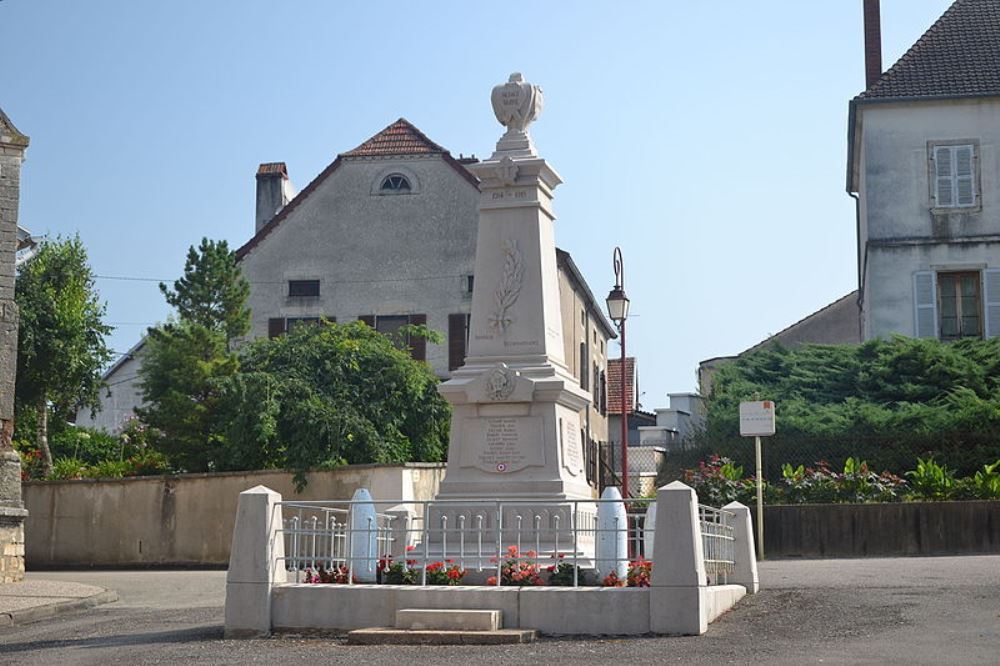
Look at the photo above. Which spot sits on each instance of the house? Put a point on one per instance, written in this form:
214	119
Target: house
924	166
385	234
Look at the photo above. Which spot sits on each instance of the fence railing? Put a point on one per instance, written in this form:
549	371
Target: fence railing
718	542
363	541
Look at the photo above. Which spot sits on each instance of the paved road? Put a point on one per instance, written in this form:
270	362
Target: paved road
892	611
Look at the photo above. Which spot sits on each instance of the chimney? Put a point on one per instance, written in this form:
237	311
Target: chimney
873	43
274	190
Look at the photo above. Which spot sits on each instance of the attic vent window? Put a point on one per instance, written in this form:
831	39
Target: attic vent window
395	184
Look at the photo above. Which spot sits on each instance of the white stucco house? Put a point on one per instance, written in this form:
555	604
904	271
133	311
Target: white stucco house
924	166
385	234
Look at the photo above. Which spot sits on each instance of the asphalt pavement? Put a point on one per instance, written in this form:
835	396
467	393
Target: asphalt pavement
943	610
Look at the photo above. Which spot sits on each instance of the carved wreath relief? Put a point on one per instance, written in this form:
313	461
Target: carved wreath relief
501	382
509	287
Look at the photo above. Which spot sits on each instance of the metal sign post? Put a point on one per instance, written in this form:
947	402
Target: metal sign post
757	420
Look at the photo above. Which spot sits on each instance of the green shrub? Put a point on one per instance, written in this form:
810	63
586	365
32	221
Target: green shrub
88	445
931	481
986	482
108	469
68	468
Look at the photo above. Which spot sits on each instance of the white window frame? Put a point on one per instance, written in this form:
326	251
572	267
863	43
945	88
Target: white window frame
943	173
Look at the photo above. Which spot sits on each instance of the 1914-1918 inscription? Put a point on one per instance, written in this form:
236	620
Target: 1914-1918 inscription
503	444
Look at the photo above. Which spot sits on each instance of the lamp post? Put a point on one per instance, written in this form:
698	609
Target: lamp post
618	311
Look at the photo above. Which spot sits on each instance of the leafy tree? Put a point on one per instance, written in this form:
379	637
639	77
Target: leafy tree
330	394
61	345
212	292
184	359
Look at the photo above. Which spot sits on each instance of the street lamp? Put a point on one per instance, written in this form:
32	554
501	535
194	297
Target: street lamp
618	311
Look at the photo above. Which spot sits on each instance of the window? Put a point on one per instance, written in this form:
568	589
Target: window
395	183
389	325
584	367
303	288
959	306
277	326
470	281
951	305
292	322
953	175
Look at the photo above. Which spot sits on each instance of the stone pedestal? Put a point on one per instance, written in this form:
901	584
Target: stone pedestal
515	425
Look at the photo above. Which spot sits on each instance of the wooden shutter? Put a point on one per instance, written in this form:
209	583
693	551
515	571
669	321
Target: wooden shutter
942	176
991	302
456	340
925	304
965	193
368	319
418	346
275	327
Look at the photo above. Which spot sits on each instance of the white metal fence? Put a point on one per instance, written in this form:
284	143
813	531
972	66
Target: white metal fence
364	541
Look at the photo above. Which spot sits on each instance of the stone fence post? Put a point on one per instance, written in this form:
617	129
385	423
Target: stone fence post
744	555
256	563
678	601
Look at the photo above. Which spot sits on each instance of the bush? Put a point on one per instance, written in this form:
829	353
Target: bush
68	468
931	481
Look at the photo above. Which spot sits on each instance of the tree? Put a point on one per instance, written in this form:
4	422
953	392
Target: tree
212	292
61	345
184	359
329	394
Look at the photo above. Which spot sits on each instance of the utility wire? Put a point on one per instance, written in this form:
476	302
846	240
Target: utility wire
130	278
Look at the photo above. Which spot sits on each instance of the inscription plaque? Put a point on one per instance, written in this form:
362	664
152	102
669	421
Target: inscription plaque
503	444
572	452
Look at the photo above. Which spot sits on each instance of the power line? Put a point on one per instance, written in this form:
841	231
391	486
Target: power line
131	278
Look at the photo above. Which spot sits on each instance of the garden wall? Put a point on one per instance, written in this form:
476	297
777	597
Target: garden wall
882	530
183	520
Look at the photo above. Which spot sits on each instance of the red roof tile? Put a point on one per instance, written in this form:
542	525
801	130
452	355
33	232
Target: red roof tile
399	138
615	383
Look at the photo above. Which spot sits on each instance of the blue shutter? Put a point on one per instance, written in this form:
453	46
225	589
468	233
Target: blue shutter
925	304
991	302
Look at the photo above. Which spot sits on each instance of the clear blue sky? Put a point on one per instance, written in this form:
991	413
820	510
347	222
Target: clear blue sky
708	139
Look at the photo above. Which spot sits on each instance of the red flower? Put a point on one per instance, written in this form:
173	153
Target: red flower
410	548
492	580
512	551
551	568
454	574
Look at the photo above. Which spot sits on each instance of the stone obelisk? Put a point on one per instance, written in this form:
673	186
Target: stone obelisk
12	513
515	426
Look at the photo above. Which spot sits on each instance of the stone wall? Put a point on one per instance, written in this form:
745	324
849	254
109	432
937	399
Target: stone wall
184	520
11	545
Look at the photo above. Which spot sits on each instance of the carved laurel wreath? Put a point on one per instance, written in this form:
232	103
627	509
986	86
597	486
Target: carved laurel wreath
509	288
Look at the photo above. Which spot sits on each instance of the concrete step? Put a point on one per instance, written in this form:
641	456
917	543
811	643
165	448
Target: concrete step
434	637
451	619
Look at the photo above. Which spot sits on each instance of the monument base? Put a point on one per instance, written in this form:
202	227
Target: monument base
12	515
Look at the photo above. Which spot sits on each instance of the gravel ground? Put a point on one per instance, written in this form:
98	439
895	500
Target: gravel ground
887	611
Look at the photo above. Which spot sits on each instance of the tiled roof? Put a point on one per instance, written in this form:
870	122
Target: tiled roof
272	167
959	56
615	382
399	138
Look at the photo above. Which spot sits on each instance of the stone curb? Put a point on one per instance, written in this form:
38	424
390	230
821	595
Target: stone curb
35	613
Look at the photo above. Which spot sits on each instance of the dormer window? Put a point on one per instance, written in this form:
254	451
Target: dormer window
395	184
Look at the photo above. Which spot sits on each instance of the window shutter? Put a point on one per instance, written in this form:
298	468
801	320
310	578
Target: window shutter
456	340
925	304
368	319
964	188
942	176
275	327
418	346
991	301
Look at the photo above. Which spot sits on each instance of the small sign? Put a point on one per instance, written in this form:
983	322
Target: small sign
757	418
